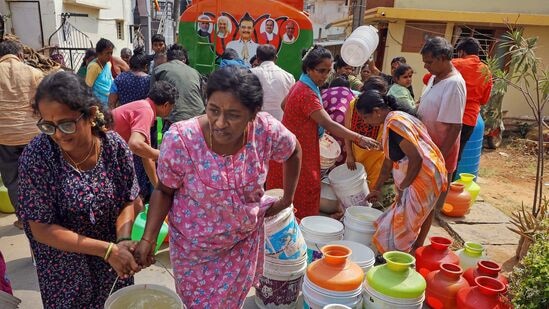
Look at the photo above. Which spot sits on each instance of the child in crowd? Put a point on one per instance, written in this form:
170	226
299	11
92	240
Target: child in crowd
403	79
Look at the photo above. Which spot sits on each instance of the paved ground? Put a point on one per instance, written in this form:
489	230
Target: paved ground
484	224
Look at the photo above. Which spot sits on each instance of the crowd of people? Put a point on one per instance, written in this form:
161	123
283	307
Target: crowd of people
79	173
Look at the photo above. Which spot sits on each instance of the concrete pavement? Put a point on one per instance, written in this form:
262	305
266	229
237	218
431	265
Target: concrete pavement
489	230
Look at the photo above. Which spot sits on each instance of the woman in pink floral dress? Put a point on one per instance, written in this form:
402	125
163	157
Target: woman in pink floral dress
211	172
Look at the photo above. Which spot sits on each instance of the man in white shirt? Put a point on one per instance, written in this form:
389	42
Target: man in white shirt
275	81
289	37
441	109
244	46
269	34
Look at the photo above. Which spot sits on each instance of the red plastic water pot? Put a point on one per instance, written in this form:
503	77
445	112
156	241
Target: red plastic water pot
429	258
487	294
443	286
485	268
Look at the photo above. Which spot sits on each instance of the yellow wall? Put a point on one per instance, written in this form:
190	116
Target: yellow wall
513	101
499	6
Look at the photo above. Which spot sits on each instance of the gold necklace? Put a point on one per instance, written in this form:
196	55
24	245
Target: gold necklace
211	137
76	164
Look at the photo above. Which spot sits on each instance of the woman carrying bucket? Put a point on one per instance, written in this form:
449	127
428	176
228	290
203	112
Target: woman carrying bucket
371	159
77	188
417	166
211	172
303	114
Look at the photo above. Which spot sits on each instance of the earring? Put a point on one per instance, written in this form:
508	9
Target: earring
93	123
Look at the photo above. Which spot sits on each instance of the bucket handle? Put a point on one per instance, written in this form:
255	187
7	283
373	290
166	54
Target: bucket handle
157	261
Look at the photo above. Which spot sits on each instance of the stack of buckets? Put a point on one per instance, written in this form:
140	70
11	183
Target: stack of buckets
329	151
318	231
334	279
362	255
285	262
359	224
350	186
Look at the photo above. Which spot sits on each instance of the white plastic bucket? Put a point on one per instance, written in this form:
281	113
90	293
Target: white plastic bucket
376	300
329	151
280	284
144	296
8	301
315	297
319	231
361	254
328	199
359	224
336	306
349	186
360	45
283	239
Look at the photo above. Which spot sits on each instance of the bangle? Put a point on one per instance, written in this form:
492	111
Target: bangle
122	239
109	250
146	240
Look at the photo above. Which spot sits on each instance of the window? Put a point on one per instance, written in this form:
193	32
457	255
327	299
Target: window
415	34
120	29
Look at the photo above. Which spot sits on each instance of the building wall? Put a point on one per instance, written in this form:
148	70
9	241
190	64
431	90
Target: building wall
513	101
323	12
499	6
99	23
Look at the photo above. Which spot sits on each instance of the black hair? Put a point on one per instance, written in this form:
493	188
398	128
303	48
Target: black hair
242	83
371	99
314	57
438	47
103	44
8	47
177	52
266	52
247	17
469	45
230	54
158	38
253	59
68	89
90	52
339	62
401	70
376	82
139	60
399	59
340	81
162	92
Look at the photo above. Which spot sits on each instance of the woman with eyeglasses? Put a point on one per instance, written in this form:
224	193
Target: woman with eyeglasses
77	190
306	118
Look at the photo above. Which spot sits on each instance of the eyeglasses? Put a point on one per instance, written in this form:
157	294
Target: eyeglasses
322	71
67	126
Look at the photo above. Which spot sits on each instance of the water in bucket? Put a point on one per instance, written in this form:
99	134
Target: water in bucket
360	45
144	296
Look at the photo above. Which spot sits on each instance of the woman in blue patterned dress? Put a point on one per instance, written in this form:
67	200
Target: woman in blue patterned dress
132	85
76	193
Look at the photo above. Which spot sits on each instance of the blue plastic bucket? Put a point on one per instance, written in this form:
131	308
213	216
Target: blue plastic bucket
470	158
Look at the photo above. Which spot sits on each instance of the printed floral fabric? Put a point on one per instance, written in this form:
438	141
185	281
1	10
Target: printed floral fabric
88	203
216	221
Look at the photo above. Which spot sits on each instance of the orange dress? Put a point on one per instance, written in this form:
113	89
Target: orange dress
301	102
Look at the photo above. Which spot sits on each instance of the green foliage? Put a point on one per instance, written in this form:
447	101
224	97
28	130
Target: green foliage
529	282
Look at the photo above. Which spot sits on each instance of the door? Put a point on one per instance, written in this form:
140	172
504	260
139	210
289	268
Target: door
27	22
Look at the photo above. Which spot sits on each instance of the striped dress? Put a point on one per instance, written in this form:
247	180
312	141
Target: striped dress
398	228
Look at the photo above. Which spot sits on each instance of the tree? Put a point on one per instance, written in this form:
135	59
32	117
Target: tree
525	72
